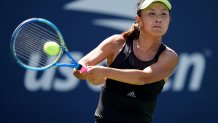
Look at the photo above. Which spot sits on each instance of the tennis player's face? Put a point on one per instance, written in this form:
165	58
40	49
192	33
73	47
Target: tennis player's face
154	19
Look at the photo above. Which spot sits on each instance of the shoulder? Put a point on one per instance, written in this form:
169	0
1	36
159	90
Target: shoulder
171	52
116	39
113	45
170	55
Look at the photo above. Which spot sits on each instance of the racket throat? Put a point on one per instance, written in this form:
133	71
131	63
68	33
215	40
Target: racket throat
77	66
74	62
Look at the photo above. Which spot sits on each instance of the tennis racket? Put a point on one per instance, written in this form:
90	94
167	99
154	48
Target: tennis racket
27	43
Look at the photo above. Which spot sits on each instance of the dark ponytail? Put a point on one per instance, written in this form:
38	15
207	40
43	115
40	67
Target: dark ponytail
132	32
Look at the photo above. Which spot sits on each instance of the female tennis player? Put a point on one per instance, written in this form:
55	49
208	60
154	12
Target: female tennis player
138	67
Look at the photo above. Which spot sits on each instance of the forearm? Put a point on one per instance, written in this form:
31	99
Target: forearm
130	76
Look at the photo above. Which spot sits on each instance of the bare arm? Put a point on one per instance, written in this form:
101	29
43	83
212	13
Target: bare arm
104	50
158	71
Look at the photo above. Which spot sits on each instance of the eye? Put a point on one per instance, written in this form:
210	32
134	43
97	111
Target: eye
151	13
164	14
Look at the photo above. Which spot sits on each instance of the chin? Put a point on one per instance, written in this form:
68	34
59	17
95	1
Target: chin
158	33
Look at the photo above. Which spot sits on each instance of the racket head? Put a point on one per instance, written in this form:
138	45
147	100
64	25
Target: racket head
27	43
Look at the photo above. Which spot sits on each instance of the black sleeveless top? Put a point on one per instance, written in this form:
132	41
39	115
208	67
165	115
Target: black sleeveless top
125	103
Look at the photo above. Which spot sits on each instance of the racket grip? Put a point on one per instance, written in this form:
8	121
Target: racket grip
83	69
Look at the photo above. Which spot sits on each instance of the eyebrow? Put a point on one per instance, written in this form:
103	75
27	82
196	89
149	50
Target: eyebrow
154	9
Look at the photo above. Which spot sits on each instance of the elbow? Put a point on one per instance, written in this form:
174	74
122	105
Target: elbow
147	79
142	80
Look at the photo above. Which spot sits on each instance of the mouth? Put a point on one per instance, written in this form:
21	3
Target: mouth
157	27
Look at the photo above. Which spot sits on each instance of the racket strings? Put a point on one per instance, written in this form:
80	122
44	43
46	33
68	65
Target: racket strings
31	47
26	56
41	31
30	41
45	31
34	60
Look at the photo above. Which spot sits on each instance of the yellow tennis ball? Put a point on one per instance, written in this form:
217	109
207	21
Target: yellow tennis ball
51	48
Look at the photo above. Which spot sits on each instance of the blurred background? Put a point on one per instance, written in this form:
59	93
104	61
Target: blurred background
56	96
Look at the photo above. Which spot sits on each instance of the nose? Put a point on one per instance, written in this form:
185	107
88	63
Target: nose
158	20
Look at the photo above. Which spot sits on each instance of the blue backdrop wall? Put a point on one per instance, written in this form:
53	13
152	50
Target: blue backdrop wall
56	96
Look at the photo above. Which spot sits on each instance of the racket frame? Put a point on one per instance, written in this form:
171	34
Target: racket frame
63	49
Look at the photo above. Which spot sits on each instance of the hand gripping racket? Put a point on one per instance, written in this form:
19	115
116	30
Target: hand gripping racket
27	44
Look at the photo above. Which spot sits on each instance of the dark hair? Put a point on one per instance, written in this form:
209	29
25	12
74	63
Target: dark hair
134	29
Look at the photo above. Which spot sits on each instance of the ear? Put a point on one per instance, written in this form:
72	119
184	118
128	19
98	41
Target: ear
137	18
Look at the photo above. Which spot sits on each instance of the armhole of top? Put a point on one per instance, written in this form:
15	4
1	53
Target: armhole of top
124	53
160	50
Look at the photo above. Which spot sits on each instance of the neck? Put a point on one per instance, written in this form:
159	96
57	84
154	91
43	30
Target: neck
148	43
